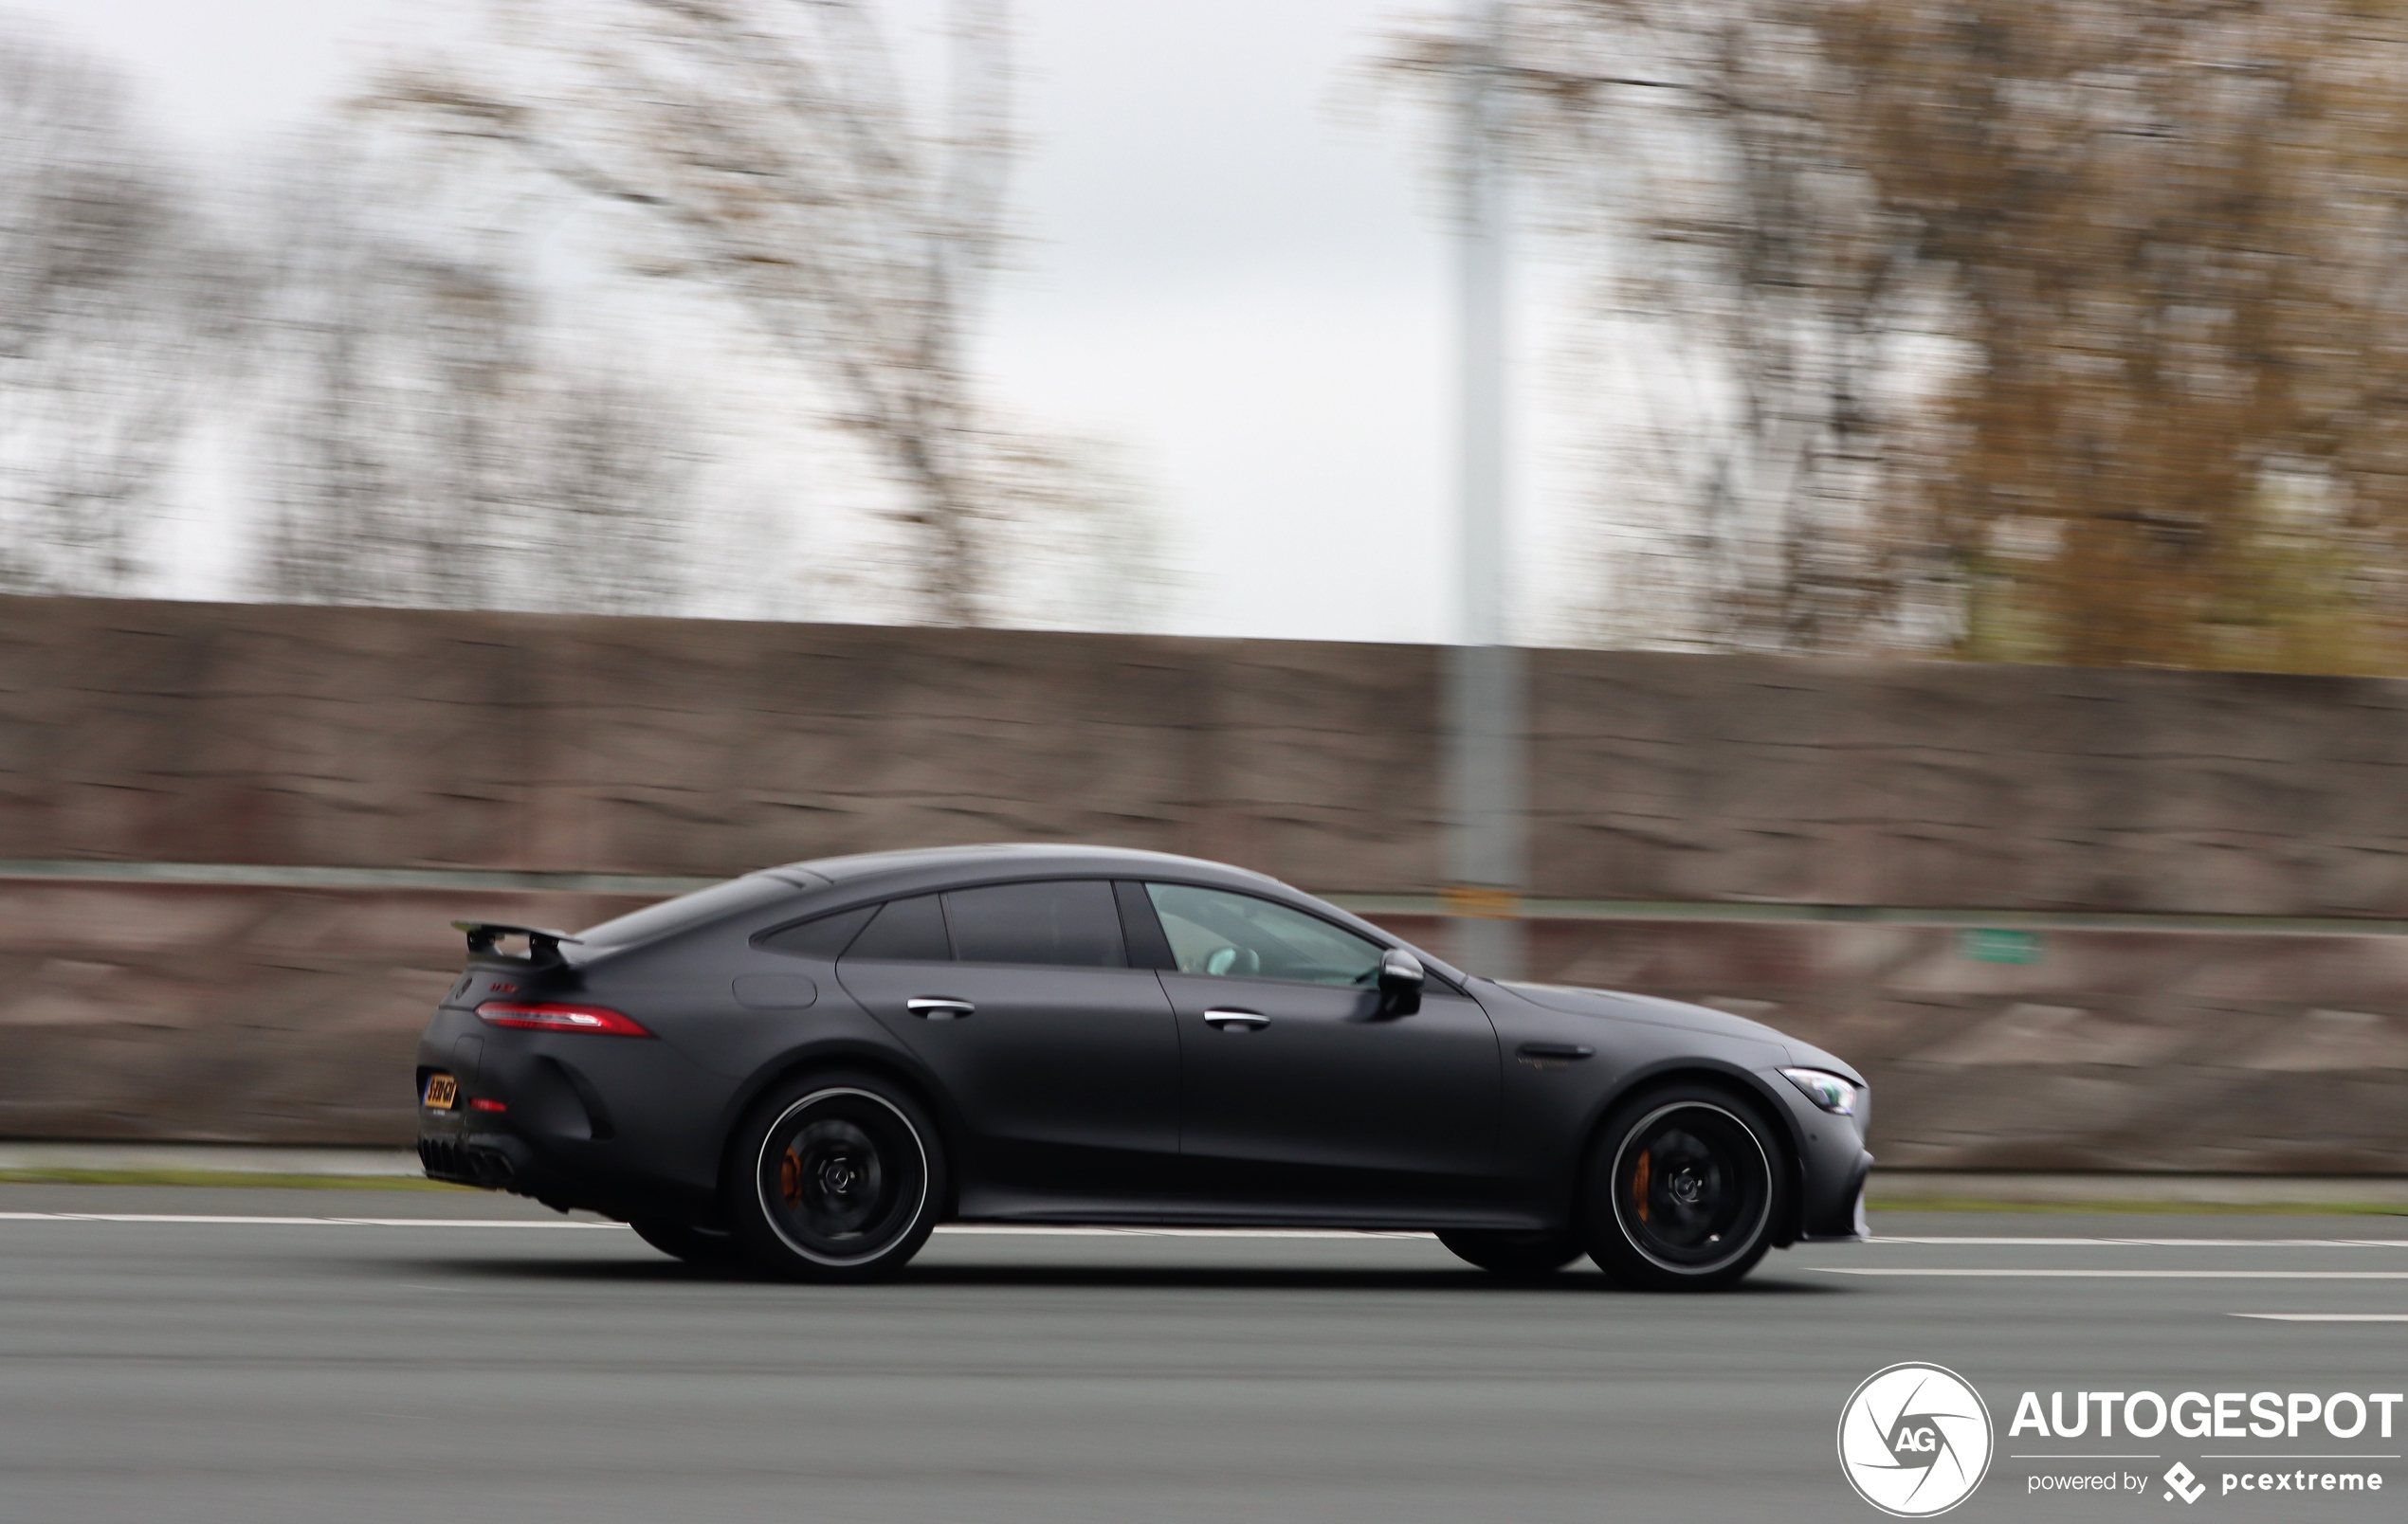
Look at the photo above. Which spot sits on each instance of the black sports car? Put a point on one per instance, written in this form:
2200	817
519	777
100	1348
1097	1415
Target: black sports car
809	1068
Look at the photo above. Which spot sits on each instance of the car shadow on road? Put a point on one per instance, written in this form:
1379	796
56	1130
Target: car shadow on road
1131	1278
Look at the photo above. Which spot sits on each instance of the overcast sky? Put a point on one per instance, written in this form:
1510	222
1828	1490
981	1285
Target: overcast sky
1236	266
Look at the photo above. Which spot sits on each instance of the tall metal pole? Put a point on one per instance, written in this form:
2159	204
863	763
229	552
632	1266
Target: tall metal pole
1487	767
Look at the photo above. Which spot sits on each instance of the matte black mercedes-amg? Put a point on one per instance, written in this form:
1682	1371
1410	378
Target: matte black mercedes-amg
809	1068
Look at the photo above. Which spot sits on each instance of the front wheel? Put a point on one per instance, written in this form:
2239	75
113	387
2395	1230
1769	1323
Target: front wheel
838	1177
1683	1188
1514	1253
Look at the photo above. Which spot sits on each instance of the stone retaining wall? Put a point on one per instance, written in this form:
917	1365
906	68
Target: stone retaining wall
378	739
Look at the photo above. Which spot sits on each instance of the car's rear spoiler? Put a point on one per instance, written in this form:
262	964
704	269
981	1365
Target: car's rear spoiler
543	945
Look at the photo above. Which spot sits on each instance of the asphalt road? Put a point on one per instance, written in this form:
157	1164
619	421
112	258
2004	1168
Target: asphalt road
346	1374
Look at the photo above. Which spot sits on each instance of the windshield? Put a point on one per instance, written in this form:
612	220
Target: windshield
749	893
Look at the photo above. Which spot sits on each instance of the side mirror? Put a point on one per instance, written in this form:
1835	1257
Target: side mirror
1400	982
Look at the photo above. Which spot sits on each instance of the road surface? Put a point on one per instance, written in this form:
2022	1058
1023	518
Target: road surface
481	1358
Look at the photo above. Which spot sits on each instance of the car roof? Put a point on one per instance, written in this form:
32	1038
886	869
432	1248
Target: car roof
1014	858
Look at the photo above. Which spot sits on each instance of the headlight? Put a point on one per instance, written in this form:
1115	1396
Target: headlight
1829	1091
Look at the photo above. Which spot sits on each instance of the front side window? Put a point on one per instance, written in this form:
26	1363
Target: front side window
1071	924
1219	931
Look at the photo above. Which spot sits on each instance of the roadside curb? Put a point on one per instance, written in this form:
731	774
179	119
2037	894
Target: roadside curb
206	1164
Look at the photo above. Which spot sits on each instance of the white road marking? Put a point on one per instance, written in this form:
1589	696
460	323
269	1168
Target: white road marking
2328	1317
295	1222
1003	1229
1039	1230
1051	1231
2001	1274
2155	1243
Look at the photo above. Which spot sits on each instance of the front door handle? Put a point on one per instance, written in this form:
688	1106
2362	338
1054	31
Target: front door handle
939	1007
1235	1021
1569	1052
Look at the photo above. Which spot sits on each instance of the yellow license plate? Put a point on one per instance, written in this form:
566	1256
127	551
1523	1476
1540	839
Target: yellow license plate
443	1092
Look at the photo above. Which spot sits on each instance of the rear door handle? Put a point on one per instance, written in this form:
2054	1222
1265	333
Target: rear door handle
939	1007
1235	1021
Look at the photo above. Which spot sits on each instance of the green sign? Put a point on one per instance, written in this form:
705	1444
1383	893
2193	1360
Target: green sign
1992	946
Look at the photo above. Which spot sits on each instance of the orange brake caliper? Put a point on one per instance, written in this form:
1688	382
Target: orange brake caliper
1638	1183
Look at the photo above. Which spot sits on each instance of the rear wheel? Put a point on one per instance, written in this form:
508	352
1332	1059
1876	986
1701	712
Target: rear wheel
1515	1254
697	1246
838	1177
1684	1189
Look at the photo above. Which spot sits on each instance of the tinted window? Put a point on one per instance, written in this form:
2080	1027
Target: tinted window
1213	930
904	931
1073	925
748	893
823	937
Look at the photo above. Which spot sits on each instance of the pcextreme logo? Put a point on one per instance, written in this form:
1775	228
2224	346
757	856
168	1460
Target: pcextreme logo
1915	1440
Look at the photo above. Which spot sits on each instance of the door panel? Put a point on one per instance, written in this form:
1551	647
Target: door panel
1326	1098
1066	1078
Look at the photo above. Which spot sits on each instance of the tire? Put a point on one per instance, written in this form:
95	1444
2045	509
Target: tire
700	1247
1515	1254
838	1176
1684	1187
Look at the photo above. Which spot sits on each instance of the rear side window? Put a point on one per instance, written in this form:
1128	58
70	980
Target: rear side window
824	937
1073	924
904	931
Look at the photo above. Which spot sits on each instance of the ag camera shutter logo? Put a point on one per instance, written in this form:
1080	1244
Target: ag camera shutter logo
1915	1440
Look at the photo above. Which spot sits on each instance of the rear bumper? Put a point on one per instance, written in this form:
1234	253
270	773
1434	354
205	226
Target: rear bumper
470	1149
491	1161
531	1124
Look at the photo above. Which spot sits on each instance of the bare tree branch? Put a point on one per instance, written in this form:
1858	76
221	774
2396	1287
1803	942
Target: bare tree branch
774	142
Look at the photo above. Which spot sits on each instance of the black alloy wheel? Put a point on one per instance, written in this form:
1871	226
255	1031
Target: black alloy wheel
839	1178
699	1246
1684	1189
1535	1253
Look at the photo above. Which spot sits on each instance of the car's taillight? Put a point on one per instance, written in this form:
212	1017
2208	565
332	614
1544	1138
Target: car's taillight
548	1018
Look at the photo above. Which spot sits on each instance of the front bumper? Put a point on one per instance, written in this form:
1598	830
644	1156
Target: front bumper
1832	1167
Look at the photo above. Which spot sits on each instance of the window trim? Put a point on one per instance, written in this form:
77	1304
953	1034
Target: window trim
1375	935
1141	934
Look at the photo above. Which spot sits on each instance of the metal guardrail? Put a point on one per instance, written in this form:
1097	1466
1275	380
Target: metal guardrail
1535	908
250	875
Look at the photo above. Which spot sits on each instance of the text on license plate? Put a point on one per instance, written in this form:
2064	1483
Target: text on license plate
443	1092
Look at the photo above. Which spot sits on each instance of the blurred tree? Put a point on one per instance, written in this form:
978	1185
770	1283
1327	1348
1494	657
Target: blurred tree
1693	169
774	140
2065	330
110	298
1078	544
2171	231
423	444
